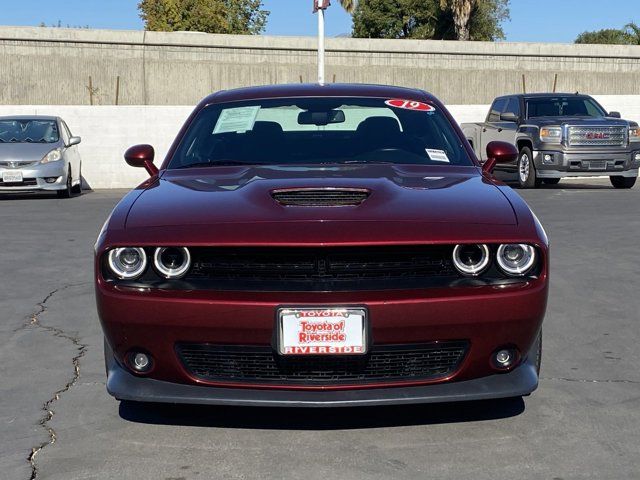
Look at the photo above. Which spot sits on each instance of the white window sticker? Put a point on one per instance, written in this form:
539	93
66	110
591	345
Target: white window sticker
237	120
437	155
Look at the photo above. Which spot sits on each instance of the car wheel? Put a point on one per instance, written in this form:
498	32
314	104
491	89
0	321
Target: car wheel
551	181
68	191
623	182
527	177
77	189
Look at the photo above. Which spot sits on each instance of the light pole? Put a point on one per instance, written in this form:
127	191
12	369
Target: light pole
319	6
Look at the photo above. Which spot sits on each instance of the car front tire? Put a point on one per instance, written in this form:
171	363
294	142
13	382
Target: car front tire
68	191
527	176
623	182
77	189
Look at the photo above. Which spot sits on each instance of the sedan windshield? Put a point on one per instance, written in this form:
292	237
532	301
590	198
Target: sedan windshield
563	107
290	131
29	131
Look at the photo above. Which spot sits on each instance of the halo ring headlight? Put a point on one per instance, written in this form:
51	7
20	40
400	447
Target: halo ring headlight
516	258
172	262
127	262
471	259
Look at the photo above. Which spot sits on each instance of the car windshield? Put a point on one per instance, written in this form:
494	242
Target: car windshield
290	131
563	107
28	131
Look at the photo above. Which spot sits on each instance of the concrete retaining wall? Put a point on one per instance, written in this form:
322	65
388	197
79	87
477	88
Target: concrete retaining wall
108	131
52	66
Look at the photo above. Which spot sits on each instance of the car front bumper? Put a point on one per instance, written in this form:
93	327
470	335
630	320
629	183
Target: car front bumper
126	386
585	164
34	178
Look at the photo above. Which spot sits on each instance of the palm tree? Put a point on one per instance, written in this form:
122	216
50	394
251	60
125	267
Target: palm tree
461	10
349	5
633	30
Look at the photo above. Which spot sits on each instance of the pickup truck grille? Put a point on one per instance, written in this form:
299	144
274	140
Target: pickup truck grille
598	136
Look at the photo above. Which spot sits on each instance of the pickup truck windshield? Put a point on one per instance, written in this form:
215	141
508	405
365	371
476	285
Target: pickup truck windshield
563	107
290	131
29	131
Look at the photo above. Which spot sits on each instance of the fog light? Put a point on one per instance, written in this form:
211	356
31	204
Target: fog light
636	157
51	179
505	358
547	158
140	362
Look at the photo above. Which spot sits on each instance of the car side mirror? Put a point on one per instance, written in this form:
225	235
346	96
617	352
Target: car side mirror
74	141
499	152
509	117
614	115
141	156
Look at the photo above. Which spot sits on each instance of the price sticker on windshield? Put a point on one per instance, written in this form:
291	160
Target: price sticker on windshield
410	105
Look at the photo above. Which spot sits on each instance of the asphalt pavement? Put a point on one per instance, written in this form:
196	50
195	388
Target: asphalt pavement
58	422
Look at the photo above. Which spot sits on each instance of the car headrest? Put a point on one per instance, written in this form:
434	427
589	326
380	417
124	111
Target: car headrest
267	128
375	126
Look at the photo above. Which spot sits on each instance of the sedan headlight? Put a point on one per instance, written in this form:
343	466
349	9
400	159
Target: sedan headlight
127	262
53	156
172	262
516	258
634	134
471	259
551	134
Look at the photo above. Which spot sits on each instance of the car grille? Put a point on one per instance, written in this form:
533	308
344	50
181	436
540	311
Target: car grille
329	197
320	268
598	136
260	365
17	164
26	182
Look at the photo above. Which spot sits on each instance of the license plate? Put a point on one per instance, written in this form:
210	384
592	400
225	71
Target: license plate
597	165
322	331
12	177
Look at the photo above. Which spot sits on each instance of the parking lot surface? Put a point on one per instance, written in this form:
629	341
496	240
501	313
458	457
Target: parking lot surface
58	422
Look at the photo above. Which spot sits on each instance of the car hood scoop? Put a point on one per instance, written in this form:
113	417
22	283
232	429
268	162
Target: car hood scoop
320	197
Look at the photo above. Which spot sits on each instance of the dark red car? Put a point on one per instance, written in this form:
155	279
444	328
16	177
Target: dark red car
317	245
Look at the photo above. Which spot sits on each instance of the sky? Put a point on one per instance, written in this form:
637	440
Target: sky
531	20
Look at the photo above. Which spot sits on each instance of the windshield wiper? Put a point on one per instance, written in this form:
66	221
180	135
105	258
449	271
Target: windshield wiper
225	163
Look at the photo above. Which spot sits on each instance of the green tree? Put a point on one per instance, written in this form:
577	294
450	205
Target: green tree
633	31
612	36
348	5
210	16
430	19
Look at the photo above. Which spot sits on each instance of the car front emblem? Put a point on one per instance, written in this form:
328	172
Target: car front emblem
13	164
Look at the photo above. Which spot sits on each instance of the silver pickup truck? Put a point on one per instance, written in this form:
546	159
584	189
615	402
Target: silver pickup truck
559	135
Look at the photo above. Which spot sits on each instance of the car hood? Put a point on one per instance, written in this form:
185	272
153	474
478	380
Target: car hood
243	195
25	152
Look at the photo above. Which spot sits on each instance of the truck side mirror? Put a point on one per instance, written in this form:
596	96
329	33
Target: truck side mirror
141	156
614	115
509	117
499	152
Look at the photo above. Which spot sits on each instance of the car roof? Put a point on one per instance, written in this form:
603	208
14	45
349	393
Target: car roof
317	90
29	117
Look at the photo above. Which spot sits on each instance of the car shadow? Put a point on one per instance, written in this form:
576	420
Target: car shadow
340	418
38	195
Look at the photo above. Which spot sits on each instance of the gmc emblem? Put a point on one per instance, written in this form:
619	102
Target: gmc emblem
597	136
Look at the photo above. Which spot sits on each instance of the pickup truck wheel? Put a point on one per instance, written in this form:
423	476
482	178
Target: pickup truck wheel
526	169
622	182
551	181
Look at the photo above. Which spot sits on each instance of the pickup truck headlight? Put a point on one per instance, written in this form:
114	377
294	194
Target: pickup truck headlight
634	134
551	134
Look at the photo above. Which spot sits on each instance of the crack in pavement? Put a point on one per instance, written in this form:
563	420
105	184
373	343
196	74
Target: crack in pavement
587	380
34	321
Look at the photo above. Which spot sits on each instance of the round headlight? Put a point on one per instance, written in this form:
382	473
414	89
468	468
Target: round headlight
127	262
172	262
471	259
516	258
